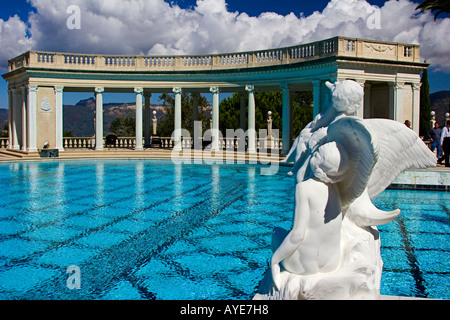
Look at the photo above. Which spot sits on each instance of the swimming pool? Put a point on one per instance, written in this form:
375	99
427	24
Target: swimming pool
143	229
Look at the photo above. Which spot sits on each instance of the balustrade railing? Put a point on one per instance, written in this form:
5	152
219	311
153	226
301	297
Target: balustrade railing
78	142
119	61
45	57
335	46
159	61
4	143
167	143
79	59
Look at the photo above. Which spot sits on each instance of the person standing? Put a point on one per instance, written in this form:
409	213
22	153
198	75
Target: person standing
435	136
445	143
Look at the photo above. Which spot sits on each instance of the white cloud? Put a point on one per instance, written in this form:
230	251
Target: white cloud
157	27
13	39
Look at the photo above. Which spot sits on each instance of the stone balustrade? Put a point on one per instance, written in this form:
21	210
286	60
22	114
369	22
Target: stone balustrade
166	143
338	46
4	143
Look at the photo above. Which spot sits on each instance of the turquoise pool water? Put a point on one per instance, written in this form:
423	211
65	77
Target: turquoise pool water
154	230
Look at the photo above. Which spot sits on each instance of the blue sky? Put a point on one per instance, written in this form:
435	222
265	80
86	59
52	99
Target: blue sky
36	35
251	7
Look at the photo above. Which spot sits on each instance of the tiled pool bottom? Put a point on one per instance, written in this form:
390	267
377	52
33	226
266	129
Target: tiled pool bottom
416	246
151	230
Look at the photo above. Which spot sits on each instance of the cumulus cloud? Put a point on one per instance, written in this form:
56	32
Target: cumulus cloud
13	39
159	27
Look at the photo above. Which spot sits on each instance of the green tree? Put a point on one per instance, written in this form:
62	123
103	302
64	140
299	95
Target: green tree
435	6
124	127
425	105
5	132
268	101
302	111
166	125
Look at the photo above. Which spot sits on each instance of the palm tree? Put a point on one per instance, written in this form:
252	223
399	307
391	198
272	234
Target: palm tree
438	6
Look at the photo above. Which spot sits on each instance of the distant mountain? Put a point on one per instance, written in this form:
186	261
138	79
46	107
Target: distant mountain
440	103
79	119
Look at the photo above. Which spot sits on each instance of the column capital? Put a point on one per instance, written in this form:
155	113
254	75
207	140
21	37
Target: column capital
250	88
361	82
139	90
396	85
32	88
99	89
416	85
316	83
147	94
285	87
214	90
59	89
177	90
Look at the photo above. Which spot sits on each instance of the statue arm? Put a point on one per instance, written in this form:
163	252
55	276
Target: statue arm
297	234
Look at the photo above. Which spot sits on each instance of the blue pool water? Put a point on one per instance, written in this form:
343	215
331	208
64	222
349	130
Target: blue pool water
154	230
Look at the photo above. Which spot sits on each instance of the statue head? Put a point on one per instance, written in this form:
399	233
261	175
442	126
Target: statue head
346	96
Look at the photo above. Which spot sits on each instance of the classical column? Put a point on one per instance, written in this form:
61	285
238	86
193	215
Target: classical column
287	119
367	99
215	119
59	118
32	125
24	119
139	93
99	118
177	146
16	119
396	101
416	106
360	112
147	96
317	97
251	132
10	118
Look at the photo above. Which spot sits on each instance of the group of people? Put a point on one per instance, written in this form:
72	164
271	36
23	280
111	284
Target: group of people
440	141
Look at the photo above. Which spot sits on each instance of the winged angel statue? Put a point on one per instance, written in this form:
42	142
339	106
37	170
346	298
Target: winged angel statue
341	162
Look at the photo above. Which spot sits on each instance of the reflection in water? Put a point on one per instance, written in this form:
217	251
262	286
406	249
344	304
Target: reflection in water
215	188
100	177
139	185
251	185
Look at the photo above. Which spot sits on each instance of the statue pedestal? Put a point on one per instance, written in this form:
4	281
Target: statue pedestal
358	276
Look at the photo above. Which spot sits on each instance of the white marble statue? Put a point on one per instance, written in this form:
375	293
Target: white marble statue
340	163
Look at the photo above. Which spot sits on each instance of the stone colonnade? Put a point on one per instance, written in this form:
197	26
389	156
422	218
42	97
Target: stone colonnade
32	106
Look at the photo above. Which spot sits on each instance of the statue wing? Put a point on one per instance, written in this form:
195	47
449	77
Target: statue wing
399	149
354	139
